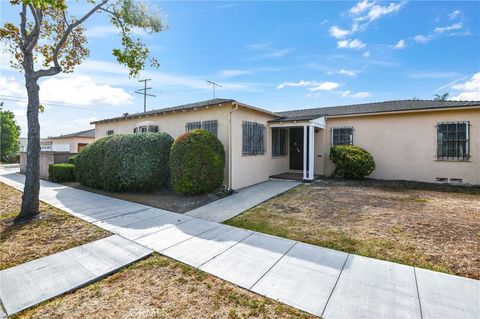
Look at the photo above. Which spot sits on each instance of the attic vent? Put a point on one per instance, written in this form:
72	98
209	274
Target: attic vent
442	179
456	181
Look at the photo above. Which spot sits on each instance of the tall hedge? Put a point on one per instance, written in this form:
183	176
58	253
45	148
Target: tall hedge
352	161
197	160
125	162
63	172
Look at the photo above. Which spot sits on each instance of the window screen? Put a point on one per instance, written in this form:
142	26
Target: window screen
453	141
110	132
342	136
211	126
253	138
153	128
193	126
279	141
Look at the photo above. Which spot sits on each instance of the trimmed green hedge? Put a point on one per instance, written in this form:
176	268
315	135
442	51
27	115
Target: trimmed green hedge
71	159
352	161
63	172
125	162
197	160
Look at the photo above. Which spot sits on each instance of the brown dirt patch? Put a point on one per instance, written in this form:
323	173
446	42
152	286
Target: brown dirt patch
161	198
51	231
433	229
159	287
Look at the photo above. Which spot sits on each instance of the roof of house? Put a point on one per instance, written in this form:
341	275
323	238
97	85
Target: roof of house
87	133
366	108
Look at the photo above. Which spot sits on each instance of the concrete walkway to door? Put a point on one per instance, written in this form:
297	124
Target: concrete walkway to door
324	282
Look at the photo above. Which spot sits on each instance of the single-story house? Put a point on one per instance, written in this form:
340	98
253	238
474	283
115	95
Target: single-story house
416	140
73	142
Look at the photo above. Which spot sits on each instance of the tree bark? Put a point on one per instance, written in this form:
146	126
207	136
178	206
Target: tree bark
30	198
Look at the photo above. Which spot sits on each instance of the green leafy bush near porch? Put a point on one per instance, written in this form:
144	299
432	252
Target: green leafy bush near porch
352	161
71	159
125	162
63	172
197	160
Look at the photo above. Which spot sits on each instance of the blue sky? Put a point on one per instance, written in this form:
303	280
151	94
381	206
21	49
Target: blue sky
275	55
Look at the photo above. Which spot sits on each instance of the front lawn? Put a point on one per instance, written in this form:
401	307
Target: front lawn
435	227
52	231
159	287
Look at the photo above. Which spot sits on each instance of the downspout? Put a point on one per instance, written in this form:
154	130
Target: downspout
230	162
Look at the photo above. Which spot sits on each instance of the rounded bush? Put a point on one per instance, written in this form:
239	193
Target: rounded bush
352	161
125	162
71	159
63	172
197	160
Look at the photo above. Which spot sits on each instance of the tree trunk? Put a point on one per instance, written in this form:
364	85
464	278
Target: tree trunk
30	198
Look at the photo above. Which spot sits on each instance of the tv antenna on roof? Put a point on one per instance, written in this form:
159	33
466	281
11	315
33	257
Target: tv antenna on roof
144	93
213	84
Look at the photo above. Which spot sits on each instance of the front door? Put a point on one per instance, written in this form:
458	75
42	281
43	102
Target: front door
296	148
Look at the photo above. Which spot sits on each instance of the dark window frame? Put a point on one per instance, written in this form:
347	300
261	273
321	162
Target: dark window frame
210	126
190	126
110	132
153	128
253	138
279	141
341	136
453	141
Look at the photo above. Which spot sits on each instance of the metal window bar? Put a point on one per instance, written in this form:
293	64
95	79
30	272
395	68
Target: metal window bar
279	141
453	140
253	138
342	136
153	128
193	126
211	126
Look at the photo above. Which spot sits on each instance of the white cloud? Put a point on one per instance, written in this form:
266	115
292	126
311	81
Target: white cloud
10	87
233	73
358	95
370	11
338	33
104	31
294	84
83	90
422	38
348	73
351	44
454	14
324	86
469	90
400	44
455	26
311	85
366	54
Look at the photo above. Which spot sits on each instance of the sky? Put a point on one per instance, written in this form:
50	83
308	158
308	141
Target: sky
276	55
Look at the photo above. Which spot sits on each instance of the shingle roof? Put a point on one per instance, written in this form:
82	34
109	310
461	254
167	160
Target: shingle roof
169	109
87	133
378	107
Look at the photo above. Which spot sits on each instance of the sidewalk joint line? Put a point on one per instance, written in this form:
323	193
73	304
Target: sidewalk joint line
418	292
238	242
192	236
335	286
173	225
296	242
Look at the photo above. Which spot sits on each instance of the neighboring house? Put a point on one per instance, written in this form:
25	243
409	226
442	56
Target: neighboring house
417	140
73	142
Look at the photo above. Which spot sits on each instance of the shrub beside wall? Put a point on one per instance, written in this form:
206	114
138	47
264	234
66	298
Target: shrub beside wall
125	162
352	161
197	160
63	172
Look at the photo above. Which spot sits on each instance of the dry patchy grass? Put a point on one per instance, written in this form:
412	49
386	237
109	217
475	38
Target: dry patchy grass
438	230
50	232
159	287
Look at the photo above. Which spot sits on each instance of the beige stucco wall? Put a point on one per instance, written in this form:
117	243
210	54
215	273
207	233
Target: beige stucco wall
404	145
46	158
72	142
174	124
249	170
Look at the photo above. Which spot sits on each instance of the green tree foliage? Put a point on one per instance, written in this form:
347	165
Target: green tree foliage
47	32
125	162
441	97
10	132
197	160
352	161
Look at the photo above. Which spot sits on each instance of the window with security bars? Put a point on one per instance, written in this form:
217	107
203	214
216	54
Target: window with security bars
453	141
279	141
253	138
110	132
342	136
153	128
211	126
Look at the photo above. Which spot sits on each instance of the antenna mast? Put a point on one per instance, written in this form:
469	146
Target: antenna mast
144	93
213	84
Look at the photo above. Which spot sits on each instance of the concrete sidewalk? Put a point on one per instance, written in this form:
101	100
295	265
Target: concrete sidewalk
244	199
317	280
33	282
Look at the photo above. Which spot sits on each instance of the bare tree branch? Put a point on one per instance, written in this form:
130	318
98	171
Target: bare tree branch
34	35
23	26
